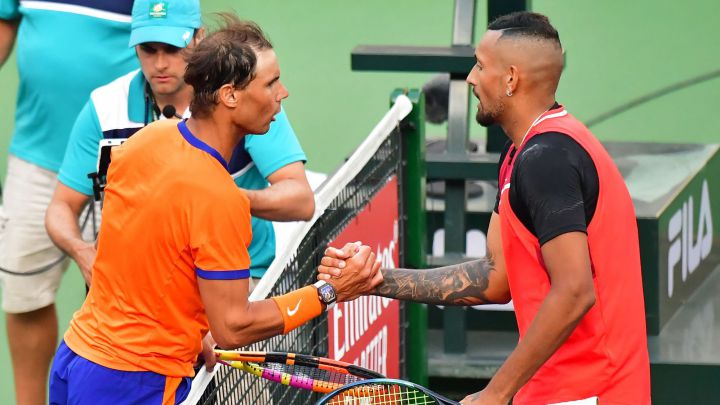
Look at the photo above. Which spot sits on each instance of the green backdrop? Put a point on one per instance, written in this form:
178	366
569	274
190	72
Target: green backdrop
616	51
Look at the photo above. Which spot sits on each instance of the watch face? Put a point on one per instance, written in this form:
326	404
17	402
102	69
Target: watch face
327	292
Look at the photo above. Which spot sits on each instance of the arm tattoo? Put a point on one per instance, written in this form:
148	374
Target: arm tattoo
459	284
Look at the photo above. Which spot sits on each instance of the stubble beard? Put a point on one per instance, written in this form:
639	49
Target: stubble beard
485	117
488	115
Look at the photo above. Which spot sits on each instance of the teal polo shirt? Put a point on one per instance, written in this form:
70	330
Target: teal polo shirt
64	50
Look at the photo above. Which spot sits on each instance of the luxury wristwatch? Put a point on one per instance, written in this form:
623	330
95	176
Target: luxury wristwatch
326	294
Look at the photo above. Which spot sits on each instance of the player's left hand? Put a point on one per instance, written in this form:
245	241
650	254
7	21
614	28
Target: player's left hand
483	397
208	353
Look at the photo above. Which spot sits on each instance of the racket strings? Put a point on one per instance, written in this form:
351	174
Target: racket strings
298	376
311	373
380	394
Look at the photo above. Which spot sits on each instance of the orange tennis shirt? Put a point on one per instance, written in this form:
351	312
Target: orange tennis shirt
171	213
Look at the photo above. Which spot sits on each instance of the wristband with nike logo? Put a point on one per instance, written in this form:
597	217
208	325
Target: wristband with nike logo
298	307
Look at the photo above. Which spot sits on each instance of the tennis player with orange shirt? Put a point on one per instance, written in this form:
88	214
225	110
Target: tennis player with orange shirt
172	259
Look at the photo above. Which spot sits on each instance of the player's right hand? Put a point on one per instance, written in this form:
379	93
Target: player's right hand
333	262
360	275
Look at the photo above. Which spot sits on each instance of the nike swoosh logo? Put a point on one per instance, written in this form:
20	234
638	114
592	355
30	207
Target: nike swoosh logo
294	311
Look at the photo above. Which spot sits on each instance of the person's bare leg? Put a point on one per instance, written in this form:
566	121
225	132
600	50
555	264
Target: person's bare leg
33	338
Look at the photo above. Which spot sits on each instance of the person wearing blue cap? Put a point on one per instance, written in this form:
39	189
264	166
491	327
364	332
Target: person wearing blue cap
65	49
160	31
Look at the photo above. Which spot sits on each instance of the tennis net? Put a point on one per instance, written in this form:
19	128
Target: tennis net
375	165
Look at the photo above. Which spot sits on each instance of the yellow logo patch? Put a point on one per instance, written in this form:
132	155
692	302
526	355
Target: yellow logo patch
158	9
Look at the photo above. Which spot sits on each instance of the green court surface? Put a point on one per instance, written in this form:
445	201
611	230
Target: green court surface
617	51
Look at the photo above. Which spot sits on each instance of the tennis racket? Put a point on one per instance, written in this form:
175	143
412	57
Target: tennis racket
382	391
310	373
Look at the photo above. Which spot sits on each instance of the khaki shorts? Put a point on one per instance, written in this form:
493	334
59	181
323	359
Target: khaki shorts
24	243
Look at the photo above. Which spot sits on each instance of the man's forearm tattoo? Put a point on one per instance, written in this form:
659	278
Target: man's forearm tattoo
459	284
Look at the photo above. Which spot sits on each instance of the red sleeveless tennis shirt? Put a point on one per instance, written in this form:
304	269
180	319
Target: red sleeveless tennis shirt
606	355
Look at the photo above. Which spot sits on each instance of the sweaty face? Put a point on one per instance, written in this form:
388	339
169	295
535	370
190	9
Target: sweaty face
260	100
163	66
486	80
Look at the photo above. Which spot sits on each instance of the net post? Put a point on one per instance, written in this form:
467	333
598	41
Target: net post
414	241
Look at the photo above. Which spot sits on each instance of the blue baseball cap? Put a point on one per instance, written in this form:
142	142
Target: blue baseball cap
168	21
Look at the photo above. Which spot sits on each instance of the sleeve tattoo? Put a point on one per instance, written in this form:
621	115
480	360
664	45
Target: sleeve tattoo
459	284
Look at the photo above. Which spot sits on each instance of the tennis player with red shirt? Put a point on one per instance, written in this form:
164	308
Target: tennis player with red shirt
562	241
172	259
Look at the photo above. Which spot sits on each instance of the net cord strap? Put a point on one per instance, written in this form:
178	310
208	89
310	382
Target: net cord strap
323	198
